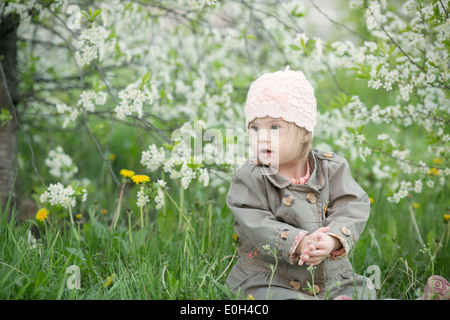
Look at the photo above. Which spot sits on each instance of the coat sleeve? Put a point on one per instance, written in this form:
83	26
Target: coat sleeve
248	200
348	208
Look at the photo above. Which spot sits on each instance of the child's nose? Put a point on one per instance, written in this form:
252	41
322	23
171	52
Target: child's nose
263	135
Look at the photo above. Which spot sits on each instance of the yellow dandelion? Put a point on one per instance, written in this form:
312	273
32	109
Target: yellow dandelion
104	211
140	179
433	171
108	282
42	214
416	205
127	173
78	216
250	297
446	218
371	200
112	157
235	238
437	161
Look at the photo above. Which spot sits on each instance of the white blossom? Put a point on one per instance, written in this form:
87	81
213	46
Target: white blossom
133	99
159	198
90	44
204	177
142	198
161	183
84	195
70	113
58	194
61	165
187	175
403	192
153	158
418	186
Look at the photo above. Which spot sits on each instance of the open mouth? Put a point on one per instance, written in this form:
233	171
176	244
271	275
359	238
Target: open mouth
265	152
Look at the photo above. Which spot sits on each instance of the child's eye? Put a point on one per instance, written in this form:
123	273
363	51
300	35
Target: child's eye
275	127
254	128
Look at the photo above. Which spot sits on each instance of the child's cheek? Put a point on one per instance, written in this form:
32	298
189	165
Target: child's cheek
253	142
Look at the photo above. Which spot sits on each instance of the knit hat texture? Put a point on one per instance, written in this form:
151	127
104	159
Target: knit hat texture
282	94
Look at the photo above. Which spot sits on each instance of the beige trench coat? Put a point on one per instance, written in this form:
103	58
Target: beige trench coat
270	210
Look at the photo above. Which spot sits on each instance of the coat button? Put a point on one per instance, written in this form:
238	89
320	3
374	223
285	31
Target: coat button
346	231
328	155
288	200
295	285
311	198
314	290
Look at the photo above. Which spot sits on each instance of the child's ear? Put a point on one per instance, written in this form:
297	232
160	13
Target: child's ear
306	137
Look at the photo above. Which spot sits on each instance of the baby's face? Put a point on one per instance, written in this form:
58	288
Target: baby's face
273	143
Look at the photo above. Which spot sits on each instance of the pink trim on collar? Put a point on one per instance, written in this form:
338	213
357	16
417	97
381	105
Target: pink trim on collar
304	179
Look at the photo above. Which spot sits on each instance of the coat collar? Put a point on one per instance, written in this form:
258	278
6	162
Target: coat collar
316	181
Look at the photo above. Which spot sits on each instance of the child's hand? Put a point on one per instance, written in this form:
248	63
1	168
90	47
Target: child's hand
307	245
317	247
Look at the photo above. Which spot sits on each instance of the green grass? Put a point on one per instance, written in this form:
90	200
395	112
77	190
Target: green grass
170	260
162	261
391	242
188	256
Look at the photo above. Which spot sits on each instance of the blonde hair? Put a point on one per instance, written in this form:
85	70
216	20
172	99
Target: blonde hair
305	138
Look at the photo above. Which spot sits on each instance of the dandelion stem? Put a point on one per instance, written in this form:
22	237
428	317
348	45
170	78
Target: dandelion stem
142	217
70	216
77	236
129	226
181	206
117	213
438	246
416	227
179	209
446	240
164	202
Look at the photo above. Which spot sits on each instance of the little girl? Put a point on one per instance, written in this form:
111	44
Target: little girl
295	202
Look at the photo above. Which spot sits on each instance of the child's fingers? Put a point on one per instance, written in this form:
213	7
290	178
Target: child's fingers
323	229
315	260
310	248
303	258
318	253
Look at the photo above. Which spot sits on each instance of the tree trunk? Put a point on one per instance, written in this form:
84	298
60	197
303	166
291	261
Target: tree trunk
8	98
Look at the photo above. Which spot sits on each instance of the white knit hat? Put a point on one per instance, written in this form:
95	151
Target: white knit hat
283	94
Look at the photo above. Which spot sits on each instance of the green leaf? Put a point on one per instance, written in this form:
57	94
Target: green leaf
437	11
296	13
76	252
5	117
97	12
392	229
171	146
145	79
352	130
362	76
431	238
